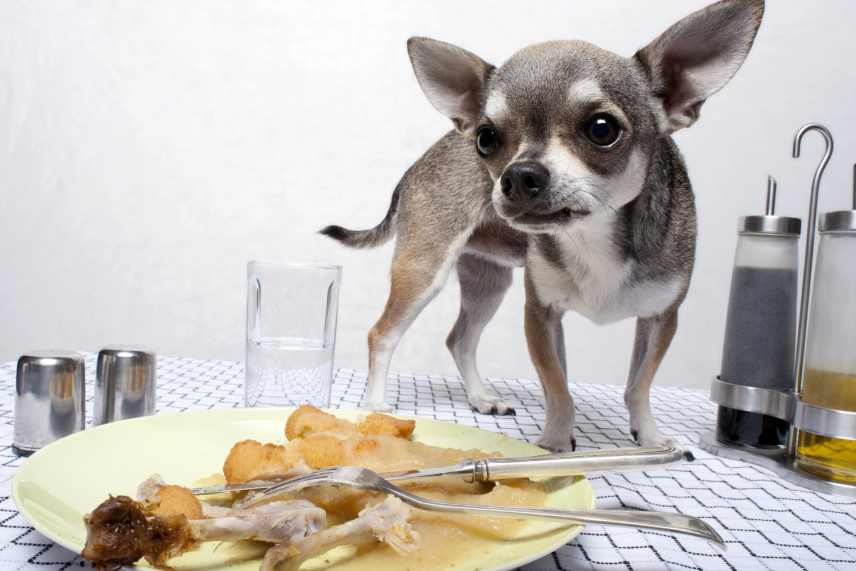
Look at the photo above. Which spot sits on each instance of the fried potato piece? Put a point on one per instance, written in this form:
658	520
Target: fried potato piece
320	440
308	420
251	460
176	500
322	450
381	453
377	424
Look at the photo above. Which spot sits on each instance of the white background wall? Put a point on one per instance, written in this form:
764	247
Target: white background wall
149	149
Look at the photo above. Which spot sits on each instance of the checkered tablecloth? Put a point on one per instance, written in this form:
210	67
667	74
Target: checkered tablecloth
767	522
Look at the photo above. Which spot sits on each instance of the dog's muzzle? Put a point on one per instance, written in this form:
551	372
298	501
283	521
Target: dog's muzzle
525	197
523	181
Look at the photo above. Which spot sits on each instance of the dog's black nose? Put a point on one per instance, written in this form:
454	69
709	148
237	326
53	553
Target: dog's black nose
524	179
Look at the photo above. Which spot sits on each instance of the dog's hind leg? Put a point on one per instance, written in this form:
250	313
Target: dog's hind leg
417	276
653	336
483	285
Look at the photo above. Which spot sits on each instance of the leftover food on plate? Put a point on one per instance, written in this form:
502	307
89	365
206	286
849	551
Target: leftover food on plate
165	520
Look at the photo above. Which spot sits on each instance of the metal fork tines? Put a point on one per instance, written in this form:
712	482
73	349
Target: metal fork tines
364	479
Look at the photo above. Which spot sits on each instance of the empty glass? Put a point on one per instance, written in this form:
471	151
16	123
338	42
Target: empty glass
291	333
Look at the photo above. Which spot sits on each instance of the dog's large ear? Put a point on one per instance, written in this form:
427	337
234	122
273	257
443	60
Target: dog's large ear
452	78
697	56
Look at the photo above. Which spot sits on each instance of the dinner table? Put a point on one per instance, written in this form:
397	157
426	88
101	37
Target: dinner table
766	522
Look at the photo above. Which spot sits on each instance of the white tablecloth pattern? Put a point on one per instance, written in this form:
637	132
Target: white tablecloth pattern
767	522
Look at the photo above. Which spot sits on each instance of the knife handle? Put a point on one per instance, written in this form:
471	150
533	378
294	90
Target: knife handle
577	463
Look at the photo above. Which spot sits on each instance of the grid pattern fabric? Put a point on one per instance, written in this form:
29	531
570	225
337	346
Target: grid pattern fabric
767	523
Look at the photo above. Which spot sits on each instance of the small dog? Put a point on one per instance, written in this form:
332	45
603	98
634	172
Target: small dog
561	161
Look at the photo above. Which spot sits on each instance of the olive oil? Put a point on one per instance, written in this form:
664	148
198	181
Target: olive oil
830	458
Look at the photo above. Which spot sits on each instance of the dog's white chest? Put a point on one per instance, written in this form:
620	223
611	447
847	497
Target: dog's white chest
584	272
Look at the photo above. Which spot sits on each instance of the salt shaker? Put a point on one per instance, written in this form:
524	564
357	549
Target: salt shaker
758	352
124	383
49	398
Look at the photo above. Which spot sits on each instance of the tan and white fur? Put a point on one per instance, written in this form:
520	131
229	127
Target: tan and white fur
561	161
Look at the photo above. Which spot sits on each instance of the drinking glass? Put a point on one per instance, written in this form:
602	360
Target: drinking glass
291	333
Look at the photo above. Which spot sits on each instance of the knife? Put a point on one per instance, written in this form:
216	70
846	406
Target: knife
495	469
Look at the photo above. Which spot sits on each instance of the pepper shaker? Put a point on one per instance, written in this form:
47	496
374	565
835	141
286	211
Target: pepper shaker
124	383
758	351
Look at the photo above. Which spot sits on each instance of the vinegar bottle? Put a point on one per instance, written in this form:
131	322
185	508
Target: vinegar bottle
829	379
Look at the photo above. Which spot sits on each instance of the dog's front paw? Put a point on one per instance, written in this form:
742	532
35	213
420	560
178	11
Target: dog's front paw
643	429
377	406
490	405
651	439
557	444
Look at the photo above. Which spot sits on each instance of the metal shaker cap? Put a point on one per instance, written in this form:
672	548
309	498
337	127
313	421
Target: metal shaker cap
769	224
49	398
124	383
838	222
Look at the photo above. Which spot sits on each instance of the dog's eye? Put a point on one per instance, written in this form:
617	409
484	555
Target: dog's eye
487	140
603	130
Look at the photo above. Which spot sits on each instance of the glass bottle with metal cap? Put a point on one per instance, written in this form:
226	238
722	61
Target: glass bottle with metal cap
826	413
756	379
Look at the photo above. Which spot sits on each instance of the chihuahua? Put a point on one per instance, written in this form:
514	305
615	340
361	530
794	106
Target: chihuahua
561	161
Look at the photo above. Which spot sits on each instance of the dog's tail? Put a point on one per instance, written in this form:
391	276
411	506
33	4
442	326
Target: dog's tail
371	238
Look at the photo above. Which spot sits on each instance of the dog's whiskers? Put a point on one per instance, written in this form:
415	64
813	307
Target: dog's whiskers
594	196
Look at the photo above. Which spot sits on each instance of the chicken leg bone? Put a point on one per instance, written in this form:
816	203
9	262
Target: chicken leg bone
121	531
387	522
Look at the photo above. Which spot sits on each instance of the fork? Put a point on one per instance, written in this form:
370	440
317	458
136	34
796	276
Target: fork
364	479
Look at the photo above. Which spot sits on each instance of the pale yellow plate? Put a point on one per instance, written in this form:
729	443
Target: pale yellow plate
61	482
